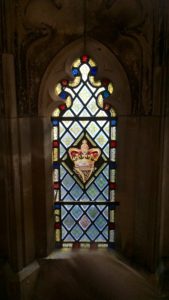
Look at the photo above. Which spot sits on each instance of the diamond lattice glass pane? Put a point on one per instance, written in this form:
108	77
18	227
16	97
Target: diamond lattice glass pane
92	212
68	182
76	192
62	172
106	128
92	232
101	198
63	212
106	193
100	222
77	106
92	129
76	212
75	129
101	113
101	182
77	232
92	107
106	150
84	113
84	198
68	238
68	113
105	232
64	232
62	150
76	89
63	193
84	123
105	213
61	129
93	192
100	238
101	123
68	222
101	139
84	222
106	172
67	139
84	238
85	94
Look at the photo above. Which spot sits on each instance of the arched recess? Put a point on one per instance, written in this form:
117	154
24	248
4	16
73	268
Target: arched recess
108	67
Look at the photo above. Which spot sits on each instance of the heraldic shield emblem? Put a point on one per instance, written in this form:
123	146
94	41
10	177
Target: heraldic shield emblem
84	160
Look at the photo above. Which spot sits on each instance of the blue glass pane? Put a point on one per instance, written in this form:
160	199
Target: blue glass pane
100	222
76	232
68	222
101	182
93	212
63	95
75	72
93	71
68	182
93	192
76	192
62	172
76	212
92	232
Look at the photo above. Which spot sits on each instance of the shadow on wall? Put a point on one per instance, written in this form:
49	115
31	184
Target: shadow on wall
90	276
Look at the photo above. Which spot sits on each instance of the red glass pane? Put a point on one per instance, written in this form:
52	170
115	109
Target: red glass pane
55	144
76	245
113	185
64	82
56	185
113	144
84	58
57	225
62	107
112	225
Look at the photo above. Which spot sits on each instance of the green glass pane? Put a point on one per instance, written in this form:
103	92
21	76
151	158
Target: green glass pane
75	129
77	106
93	192
101	139
92	129
67	139
85	94
92	107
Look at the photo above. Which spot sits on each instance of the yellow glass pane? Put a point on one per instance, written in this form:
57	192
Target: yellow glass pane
112	175
76	63
112	112
113	154
93	82
85	245
110	88
56	112
113	133
111	236
112	195
111	215
102	245
67	245
58	89
57	218
55	133
75	82
56	175
57	212
55	154
92	63
100	100
68	101
57	232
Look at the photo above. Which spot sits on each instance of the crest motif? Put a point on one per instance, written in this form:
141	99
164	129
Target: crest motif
84	160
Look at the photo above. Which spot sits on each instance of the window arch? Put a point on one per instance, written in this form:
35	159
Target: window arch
84	152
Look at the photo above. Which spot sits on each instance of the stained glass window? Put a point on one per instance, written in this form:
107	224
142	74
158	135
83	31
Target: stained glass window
84	159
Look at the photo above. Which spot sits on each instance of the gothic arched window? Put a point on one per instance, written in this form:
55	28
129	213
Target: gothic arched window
84	149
